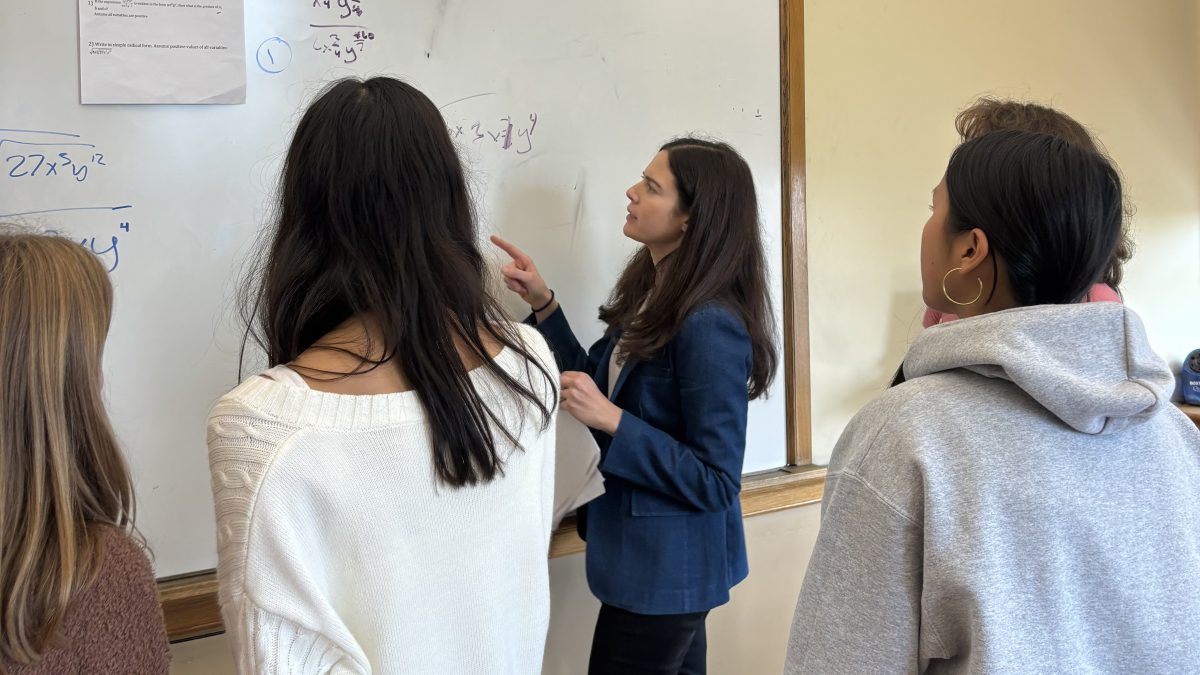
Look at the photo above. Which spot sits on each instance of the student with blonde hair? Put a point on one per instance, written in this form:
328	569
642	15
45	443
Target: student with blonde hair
77	592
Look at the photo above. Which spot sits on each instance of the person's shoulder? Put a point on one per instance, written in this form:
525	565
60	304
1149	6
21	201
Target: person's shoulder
120	616
712	318
264	400
125	558
124	588
243	399
534	344
900	424
536	367
248	428
530	336
887	443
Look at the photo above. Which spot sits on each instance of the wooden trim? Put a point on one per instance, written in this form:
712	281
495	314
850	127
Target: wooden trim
784	488
796	359
192	611
190	601
1192	411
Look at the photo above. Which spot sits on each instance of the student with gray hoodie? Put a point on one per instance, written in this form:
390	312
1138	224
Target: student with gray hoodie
1027	500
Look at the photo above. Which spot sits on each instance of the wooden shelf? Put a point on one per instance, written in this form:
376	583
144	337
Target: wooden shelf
1191	411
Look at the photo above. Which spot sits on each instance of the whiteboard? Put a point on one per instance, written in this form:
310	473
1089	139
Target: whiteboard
556	106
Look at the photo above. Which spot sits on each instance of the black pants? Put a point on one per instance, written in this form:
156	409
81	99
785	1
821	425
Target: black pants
639	644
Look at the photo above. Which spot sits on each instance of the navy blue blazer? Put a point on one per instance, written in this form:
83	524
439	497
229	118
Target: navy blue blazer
666	537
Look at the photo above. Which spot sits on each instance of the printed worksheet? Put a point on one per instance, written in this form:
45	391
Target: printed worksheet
156	51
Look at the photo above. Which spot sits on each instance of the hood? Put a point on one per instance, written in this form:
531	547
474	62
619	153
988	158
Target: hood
1090	364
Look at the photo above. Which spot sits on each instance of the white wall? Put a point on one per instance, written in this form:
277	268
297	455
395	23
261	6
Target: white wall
883	83
884	80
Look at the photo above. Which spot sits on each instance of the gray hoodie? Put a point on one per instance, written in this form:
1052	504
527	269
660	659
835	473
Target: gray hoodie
1027	502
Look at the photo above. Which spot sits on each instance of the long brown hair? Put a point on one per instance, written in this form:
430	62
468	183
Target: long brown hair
375	220
63	475
719	260
993	114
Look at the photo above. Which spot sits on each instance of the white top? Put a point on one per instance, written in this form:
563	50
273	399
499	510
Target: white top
340	552
615	364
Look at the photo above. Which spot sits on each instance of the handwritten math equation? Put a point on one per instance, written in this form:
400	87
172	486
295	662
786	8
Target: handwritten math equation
342	41
505	134
344	8
105	246
29	154
343	44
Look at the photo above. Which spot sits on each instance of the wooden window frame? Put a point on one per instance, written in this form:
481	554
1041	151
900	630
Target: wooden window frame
189	601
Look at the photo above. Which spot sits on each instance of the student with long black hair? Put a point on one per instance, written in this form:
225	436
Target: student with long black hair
689	342
1027	499
384	490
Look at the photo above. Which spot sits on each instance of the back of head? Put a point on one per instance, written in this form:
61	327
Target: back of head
1050	209
991	114
63	474
375	222
373	212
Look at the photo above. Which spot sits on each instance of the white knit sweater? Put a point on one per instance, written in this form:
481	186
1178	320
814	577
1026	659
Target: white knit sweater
340	552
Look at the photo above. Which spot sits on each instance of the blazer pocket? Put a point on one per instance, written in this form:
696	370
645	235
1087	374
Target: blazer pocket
644	503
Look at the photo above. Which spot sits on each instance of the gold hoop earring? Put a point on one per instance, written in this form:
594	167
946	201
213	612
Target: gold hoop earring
947	293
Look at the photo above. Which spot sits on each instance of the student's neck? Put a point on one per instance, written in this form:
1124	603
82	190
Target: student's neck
660	251
995	299
1001	300
342	362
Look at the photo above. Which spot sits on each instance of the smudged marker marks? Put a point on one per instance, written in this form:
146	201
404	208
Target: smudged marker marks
465	98
578	207
35	131
72	208
439	17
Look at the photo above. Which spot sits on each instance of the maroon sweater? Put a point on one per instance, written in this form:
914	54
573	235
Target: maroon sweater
115	626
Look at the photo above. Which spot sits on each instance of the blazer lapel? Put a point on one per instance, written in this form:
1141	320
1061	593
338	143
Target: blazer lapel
621	379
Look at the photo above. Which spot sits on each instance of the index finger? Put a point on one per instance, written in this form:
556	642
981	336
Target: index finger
513	252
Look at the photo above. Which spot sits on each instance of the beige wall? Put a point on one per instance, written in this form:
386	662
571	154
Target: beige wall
884	80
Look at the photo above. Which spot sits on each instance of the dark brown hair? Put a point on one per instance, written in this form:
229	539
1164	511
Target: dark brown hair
375	220
992	114
720	259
